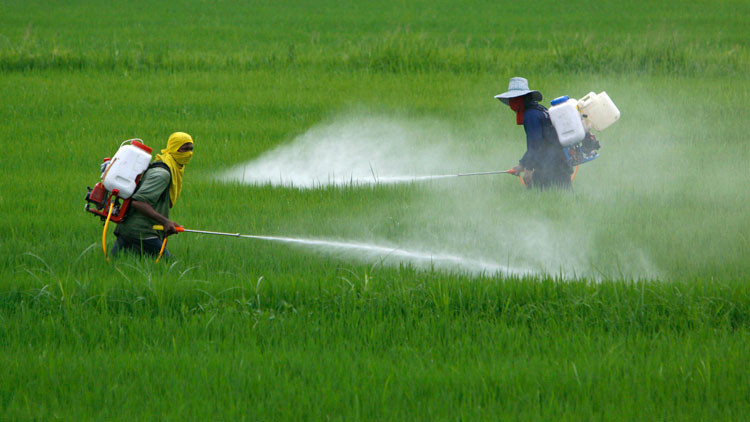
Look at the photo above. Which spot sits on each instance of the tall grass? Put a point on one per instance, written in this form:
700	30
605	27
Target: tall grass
374	345
399	52
246	329
605	37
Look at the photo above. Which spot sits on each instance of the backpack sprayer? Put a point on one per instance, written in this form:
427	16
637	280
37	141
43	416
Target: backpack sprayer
573	121
110	198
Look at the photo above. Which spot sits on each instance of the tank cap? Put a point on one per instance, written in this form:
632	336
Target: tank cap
559	100
141	146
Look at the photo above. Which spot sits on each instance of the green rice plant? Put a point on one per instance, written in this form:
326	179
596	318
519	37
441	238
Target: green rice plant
637	305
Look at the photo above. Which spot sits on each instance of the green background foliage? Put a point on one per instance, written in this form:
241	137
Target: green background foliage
241	329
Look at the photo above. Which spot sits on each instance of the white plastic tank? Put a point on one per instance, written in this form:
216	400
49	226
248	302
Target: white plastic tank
598	110
566	120
123	169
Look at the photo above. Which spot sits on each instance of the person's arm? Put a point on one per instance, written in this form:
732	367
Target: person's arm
532	125
146	209
155	184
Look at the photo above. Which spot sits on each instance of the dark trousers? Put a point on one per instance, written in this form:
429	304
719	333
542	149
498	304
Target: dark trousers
140	246
551	181
554	175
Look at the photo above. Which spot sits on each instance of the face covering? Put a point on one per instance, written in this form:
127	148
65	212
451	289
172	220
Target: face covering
182	158
517	105
176	161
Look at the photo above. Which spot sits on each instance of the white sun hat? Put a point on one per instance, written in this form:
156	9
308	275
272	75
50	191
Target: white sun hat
518	87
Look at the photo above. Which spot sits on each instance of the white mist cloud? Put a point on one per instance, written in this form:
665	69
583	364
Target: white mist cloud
356	150
481	223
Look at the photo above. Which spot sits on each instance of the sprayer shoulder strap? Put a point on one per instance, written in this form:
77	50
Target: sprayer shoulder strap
160	164
537	106
548	129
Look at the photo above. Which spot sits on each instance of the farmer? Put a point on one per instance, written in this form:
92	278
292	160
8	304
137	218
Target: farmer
156	193
544	164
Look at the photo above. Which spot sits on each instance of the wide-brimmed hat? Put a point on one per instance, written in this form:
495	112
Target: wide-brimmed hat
518	87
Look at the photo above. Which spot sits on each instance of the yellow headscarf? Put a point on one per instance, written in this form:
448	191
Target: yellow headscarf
176	162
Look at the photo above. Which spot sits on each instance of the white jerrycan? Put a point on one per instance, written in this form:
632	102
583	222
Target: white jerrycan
598	110
566	120
122	171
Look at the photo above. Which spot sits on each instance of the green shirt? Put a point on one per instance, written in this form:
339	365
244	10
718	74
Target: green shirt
154	190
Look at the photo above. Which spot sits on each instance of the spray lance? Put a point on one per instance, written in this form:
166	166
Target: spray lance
181	229
481	173
512	172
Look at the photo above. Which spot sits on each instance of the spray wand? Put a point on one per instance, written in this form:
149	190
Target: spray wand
511	171
445	176
182	229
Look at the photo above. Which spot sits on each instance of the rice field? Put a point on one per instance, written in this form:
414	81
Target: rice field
626	298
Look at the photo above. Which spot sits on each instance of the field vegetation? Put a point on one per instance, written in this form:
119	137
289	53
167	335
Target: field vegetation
642	312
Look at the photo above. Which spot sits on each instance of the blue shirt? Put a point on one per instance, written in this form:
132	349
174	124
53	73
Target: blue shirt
533	125
544	154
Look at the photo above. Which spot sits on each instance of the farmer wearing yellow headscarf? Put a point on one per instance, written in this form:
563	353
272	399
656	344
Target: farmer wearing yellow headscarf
157	192
176	158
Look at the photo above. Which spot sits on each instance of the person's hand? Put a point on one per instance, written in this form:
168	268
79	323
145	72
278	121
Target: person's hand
516	170
170	227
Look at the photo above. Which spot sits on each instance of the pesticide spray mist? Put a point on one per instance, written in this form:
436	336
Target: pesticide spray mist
359	150
489	223
394	255
441	228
